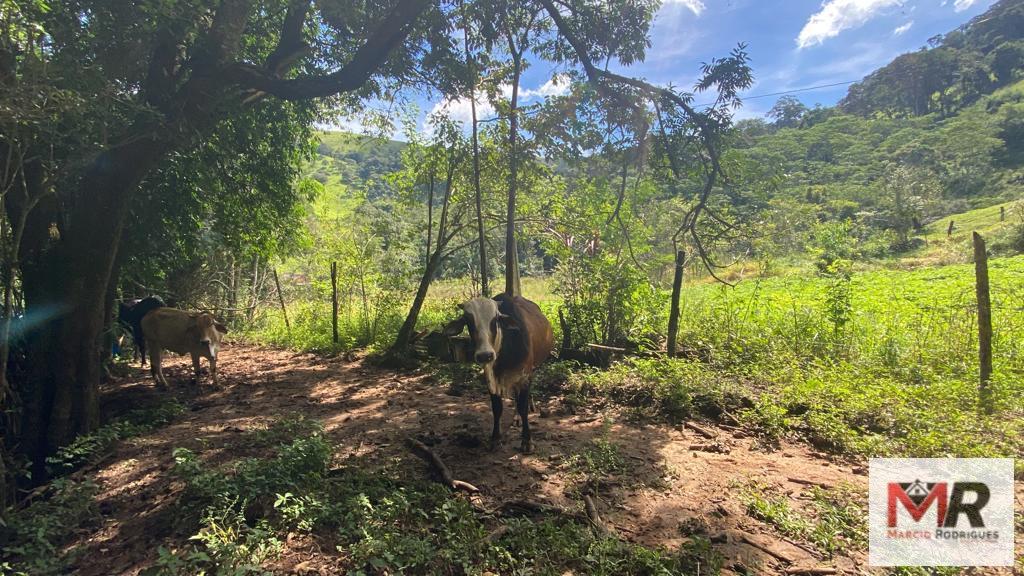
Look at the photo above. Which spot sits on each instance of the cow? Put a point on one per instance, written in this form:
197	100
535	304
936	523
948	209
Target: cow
195	333
510	337
131	312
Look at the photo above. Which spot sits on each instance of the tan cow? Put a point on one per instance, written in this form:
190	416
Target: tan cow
195	333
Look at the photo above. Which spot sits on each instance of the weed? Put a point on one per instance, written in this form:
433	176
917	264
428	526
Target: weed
90	447
32	540
381	524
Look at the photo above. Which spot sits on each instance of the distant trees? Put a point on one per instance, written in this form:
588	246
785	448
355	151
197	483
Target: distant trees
952	72
788	112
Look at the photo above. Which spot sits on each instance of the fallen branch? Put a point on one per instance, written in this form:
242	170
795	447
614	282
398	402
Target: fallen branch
808	482
438	465
606	348
764	547
592	516
803	547
701	430
811	570
732	419
496	534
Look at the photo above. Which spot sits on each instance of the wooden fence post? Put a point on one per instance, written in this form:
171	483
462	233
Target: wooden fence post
673	315
984	323
280	298
949	231
334	300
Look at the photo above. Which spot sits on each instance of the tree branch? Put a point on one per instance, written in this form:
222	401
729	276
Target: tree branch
290	47
366	61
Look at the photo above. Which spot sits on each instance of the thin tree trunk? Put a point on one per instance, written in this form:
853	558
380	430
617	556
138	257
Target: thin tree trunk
471	63
334	302
673	315
512	283
408	329
430	220
280	298
984	323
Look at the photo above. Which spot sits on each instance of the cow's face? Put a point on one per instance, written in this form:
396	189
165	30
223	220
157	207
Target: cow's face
485	323
209	332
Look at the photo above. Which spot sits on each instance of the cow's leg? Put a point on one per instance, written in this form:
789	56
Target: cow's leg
195	366
155	368
496	408
213	370
140	345
523	407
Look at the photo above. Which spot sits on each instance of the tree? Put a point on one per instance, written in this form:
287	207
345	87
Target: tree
160	82
788	112
438	167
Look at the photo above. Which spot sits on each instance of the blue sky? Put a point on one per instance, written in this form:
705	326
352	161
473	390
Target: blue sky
793	44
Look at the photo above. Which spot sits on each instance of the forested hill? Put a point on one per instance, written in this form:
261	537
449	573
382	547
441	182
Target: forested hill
935	132
952	72
353	162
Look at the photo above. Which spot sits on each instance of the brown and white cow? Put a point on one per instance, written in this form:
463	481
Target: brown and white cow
510	338
195	333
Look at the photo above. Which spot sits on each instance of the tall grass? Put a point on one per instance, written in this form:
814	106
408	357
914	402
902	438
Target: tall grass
898	376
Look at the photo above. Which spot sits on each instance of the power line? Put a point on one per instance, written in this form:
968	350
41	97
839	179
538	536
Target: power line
744	98
794	91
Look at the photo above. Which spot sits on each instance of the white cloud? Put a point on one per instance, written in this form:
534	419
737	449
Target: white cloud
558	85
838	15
695	6
460	110
901	29
961	5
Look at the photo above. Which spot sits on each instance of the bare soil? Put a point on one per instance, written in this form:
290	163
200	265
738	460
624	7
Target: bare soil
673	487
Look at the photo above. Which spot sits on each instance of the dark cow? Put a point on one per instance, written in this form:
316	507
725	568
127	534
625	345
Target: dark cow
131	312
510	338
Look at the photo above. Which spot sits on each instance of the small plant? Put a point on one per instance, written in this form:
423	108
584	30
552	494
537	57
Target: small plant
838	296
775	510
599	459
285	430
32	540
89	447
840	521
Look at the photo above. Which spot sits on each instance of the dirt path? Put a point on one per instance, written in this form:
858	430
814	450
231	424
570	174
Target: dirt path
368	411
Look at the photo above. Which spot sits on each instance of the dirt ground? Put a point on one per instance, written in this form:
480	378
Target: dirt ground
367	412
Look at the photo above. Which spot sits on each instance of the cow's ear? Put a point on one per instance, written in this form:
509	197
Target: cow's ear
455	327
220	327
508	322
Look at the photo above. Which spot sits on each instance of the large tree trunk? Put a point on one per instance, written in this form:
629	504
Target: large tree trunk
512	286
67	287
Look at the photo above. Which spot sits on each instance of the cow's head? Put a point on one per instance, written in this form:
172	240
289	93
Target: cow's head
485	323
209	332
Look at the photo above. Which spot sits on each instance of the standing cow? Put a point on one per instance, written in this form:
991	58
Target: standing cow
195	333
131	313
510	338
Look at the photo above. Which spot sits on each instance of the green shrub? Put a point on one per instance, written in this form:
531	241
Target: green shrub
89	447
33	539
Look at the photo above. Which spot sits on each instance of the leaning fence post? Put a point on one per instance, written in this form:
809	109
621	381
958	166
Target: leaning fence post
984	323
334	300
280	298
673	315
